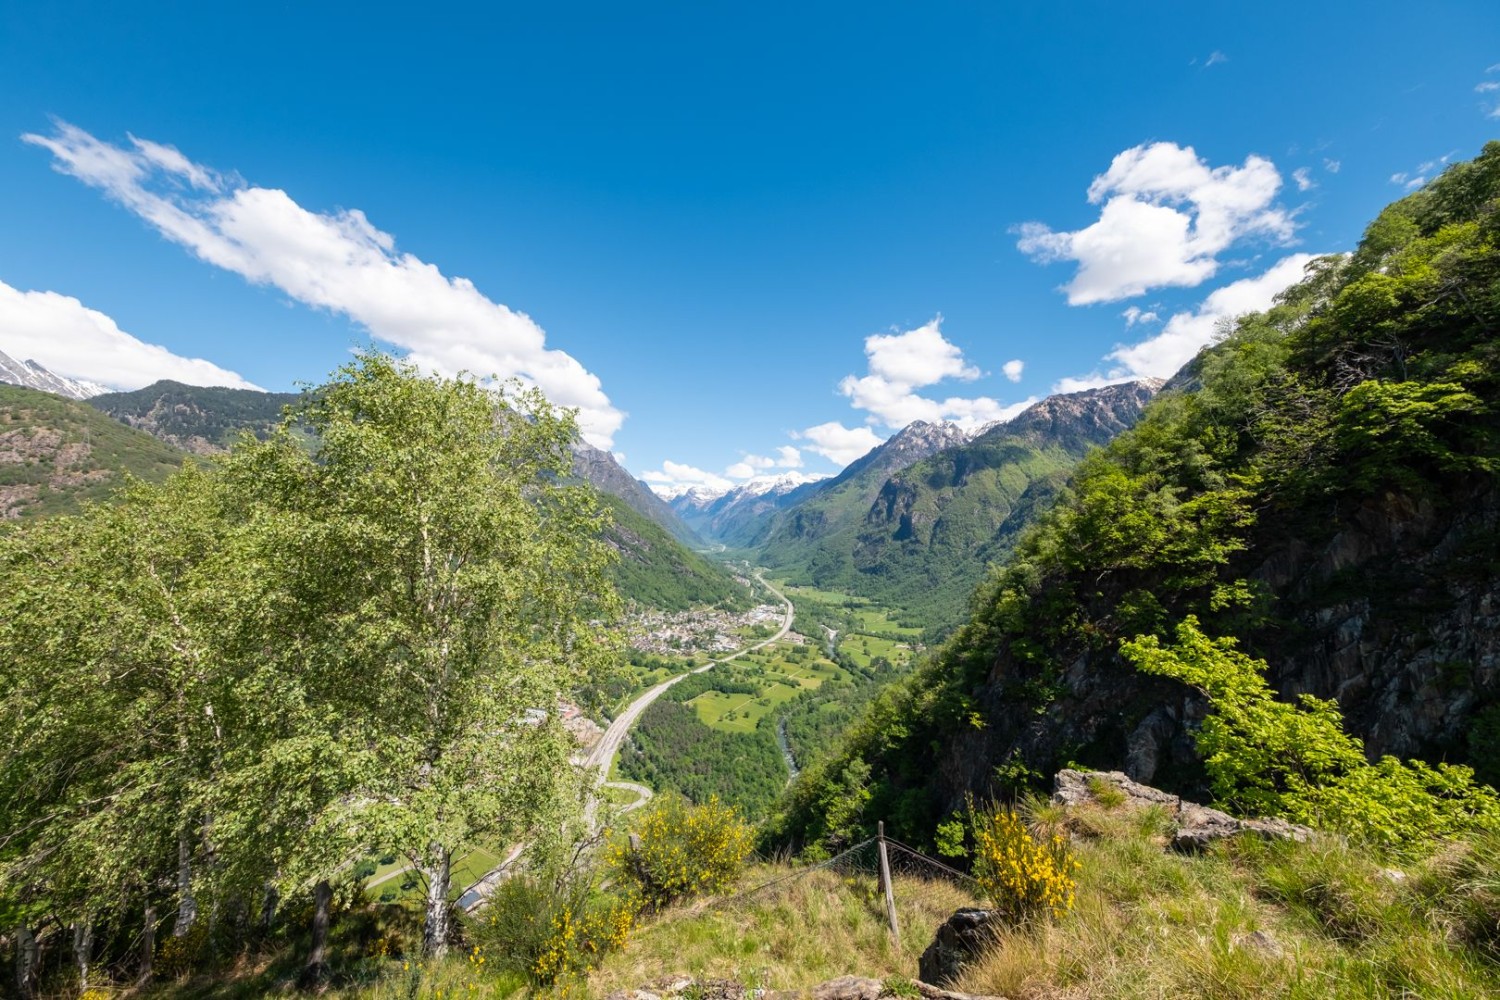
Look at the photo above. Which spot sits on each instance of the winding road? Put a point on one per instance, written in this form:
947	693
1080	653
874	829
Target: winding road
603	753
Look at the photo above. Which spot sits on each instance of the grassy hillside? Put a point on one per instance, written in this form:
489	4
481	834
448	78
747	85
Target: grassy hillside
658	571
56	453
1324	488
1246	919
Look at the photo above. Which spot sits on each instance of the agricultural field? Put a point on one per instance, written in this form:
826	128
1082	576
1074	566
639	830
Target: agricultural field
864	649
776	673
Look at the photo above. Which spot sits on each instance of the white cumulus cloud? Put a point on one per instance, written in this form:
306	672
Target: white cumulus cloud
900	364
337	261
679	476
1012	369
1304	179
1166	216
64	335
837	443
1186	333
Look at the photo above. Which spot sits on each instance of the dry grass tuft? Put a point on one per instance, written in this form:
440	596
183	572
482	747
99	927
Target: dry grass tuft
792	936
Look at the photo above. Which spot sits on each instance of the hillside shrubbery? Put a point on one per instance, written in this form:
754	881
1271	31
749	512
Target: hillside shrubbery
1370	382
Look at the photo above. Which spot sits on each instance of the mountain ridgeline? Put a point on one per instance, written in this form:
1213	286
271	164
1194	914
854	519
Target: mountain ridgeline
916	523
199	419
919	535
57	452
1322	485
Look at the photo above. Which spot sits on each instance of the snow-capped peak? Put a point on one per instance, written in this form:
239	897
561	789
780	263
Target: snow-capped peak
33	376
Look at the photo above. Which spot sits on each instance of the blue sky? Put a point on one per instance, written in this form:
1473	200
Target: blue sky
739	239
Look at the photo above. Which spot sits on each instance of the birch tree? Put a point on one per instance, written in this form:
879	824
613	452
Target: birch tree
459	590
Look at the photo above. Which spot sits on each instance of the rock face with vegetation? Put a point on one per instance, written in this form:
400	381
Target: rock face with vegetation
201	419
1321	484
56	453
599	469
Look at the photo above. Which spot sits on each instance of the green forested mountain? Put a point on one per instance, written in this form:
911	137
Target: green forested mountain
201	419
56	452
657	570
921	536
814	535
1323	487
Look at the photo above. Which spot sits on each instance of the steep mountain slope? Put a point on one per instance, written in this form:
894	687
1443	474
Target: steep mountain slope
918	535
937	526
55	453
600	469
1325	486
820	518
31	375
200	419
658	571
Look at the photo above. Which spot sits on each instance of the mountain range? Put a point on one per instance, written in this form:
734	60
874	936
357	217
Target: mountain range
32	375
916	522
57	451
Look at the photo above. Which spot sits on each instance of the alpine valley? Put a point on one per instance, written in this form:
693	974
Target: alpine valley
1270	582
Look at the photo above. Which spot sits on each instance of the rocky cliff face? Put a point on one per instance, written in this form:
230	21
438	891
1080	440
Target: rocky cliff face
599	469
1393	610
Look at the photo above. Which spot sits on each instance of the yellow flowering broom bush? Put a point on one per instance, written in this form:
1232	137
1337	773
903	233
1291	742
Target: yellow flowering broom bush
685	850
549	928
1025	876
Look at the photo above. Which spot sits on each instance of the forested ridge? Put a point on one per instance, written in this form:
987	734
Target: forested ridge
1320	484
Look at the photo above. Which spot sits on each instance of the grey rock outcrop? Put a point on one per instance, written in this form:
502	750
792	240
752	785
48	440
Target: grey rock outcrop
1195	826
961	939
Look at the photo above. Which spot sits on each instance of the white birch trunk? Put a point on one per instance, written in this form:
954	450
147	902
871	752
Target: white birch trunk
439	872
187	906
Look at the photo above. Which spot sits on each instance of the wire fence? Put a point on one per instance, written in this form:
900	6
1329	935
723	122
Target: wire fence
913	877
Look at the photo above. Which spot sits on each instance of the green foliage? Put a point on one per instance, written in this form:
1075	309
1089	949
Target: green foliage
658	571
1364	392
1268	757
308	658
685	850
671	749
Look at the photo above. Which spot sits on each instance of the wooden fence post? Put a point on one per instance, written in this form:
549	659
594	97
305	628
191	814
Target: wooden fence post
885	881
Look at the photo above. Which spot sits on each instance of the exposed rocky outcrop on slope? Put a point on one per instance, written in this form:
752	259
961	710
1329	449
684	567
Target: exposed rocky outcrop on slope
599	469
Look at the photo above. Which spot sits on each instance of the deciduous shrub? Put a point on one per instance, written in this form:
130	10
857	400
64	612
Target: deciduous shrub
1274	758
549	928
685	850
1025	876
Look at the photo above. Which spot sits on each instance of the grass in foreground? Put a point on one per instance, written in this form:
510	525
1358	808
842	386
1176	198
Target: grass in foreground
1247	919
1250	919
792	936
